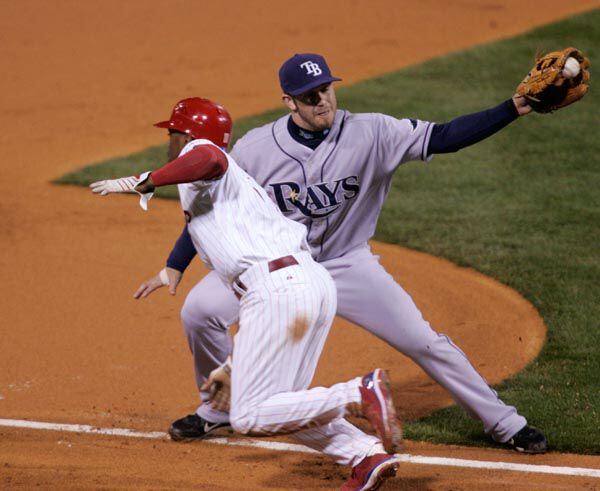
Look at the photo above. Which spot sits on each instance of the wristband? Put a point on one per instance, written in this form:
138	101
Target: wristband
164	277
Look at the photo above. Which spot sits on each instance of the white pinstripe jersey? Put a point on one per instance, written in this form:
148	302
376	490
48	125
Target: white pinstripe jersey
234	224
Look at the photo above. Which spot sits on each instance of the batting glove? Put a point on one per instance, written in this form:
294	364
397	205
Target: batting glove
123	185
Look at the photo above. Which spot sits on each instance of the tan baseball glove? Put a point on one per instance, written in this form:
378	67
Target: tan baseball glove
556	80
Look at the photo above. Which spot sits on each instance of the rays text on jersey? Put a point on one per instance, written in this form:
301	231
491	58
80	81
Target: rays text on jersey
318	200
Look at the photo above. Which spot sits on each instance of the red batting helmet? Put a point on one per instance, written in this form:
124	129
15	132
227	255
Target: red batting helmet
200	118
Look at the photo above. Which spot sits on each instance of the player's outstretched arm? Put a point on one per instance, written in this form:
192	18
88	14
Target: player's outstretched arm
469	129
204	162
167	277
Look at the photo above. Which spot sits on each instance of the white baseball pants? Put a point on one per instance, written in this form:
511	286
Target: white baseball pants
285	317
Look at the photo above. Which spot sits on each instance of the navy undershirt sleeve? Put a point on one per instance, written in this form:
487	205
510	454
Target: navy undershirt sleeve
472	128
183	252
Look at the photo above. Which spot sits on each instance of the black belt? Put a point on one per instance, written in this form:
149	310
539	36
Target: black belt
274	265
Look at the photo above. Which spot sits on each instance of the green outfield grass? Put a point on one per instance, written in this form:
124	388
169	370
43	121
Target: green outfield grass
522	207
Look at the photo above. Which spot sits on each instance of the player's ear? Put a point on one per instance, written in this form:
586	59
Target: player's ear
289	102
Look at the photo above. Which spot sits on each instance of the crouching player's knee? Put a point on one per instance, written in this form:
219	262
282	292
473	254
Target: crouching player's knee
244	421
247	422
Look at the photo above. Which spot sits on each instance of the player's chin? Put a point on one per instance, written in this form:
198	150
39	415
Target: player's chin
323	120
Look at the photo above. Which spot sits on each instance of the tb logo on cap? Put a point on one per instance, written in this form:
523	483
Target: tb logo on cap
311	68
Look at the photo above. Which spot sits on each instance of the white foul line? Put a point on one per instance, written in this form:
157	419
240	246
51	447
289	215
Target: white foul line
290	447
40	425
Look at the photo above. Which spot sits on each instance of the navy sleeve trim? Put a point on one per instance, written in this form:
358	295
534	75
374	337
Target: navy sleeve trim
472	128
183	252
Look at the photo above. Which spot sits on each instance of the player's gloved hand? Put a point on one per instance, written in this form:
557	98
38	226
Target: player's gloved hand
123	185
218	386
167	277
556	80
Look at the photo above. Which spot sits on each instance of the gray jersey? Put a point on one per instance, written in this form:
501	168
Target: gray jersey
338	189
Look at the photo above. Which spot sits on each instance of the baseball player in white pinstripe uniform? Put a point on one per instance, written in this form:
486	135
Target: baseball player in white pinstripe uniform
287	301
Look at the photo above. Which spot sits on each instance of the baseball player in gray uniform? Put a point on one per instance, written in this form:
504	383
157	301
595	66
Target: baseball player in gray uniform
331	170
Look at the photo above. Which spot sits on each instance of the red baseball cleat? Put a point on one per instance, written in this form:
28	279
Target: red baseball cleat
371	472
378	408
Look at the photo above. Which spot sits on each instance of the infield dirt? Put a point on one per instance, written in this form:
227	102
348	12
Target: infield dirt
84	81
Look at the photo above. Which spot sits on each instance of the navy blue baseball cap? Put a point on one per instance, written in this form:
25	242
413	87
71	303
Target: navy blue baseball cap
303	72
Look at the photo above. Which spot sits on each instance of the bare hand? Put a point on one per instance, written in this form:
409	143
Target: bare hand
156	282
521	104
218	386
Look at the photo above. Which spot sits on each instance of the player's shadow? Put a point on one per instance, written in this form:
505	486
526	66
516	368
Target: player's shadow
316	472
